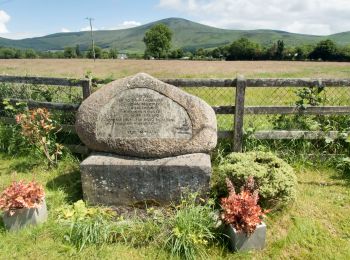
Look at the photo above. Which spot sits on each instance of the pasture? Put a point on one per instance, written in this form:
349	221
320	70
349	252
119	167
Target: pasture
78	68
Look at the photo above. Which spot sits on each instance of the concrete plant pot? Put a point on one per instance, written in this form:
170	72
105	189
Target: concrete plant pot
240	241
24	217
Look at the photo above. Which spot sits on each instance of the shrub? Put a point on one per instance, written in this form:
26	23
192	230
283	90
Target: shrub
242	210
21	195
274	178
41	131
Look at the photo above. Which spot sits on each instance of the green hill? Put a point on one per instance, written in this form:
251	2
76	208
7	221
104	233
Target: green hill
187	34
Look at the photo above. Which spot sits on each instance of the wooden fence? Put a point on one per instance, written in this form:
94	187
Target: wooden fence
237	111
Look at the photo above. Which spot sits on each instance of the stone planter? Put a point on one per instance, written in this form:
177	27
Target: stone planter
243	242
24	217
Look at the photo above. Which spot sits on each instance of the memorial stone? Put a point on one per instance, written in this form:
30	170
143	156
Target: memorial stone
150	141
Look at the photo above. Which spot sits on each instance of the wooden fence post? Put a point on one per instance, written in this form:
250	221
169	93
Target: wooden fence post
239	114
86	85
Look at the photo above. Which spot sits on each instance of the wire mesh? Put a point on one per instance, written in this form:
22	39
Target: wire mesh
297	97
43	93
217	96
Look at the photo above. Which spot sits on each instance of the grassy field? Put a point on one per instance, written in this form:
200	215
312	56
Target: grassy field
76	68
317	226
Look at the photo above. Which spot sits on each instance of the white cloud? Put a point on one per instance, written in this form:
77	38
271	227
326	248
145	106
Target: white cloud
125	25
299	16
65	30
4	18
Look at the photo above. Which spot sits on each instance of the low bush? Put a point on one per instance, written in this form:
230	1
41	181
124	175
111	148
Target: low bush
241	209
275	179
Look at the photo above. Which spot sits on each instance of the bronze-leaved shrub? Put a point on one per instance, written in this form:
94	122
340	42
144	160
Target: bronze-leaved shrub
21	195
241	209
274	178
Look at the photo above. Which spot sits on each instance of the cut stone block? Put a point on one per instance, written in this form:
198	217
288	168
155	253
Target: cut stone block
117	180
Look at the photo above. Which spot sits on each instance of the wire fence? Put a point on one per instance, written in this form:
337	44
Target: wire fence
269	104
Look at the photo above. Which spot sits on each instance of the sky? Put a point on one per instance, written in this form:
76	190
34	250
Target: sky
30	18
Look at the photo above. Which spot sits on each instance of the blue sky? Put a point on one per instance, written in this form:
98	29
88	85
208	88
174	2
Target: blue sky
28	18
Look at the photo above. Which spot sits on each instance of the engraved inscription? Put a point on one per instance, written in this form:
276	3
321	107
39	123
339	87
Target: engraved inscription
142	113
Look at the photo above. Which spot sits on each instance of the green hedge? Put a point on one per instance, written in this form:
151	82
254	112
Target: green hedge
274	178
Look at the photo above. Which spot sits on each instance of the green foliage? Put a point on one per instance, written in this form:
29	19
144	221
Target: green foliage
192	228
70	52
243	49
30	54
86	225
275	179
325	50
12	141
315	96
113	53
98	53
176	54
157	41
78	51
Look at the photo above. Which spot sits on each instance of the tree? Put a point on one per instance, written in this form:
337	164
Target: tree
113	53
30	54
69	52
280	49
78	51
243	49
158	41
98	53
7	53
325	50
176	54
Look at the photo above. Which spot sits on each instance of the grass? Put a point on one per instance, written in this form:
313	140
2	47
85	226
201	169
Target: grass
317	226
77	68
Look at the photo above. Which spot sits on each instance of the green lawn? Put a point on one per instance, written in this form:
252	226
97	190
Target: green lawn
317	226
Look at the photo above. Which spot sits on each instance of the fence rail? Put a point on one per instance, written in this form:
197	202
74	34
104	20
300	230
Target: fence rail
240	85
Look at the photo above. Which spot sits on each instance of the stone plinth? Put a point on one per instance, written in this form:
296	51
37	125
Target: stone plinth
117	180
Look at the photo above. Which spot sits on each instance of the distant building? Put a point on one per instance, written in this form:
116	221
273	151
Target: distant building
122	56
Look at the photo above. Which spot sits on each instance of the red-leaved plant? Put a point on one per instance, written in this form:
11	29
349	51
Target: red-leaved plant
21	195
41	130
242	210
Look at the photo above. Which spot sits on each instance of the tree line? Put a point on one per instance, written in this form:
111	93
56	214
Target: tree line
67	53
158	45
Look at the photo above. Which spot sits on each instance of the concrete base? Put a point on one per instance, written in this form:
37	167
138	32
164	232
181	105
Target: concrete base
25	217
242	242
117	180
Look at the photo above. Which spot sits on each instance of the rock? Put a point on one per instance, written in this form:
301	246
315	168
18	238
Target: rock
117	180
144	117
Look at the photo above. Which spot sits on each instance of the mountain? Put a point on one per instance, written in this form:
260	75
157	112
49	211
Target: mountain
186	34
